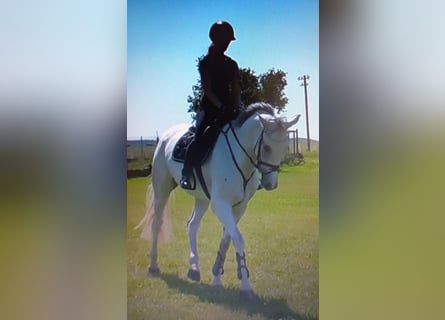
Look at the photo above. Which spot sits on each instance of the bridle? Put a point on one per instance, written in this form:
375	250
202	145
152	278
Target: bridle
262	166
269	168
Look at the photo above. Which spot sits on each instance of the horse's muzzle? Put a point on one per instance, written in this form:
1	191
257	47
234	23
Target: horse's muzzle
270	185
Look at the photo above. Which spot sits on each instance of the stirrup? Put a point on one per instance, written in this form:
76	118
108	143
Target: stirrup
188	182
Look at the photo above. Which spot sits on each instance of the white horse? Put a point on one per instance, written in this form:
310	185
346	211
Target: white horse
253	144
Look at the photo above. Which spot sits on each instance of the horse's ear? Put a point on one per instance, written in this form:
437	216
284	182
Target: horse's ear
289	124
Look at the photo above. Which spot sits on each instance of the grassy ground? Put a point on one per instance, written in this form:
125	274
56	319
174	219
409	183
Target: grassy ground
281	233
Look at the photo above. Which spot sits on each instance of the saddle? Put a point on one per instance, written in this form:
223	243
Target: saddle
204	149
181	146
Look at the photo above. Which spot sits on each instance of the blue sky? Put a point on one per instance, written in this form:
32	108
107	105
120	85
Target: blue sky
165	38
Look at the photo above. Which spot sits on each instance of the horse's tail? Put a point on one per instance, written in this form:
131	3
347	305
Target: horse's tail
166	233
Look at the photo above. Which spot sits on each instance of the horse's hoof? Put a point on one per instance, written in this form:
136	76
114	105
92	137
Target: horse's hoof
155	271
194	275
248	296
217	284
219	289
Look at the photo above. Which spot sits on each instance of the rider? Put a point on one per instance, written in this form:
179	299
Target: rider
221	101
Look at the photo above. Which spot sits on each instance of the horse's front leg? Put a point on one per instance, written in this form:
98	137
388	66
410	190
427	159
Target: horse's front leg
225	215
201	206
218	267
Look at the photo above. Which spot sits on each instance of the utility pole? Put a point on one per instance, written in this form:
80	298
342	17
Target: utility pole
305	84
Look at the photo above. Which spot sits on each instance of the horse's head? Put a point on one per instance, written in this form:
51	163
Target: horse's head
272	147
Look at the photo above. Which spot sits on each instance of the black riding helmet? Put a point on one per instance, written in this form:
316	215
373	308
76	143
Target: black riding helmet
221	31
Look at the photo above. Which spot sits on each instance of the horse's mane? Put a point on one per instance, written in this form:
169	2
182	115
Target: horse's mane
257	107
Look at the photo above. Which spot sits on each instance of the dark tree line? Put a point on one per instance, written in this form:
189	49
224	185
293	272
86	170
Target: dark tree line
267	87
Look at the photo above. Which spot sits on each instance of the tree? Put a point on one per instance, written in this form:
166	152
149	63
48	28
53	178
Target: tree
197	92
250	87
272	88
195	100
268	87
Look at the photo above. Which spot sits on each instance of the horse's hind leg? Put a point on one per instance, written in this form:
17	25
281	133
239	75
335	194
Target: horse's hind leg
201	206
163	184
160	200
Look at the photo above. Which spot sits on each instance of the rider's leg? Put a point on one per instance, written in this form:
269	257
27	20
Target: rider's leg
191	154
187	170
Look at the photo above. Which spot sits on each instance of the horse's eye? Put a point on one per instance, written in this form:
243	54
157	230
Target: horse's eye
267	149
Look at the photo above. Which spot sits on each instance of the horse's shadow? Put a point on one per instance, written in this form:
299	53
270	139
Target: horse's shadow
269	308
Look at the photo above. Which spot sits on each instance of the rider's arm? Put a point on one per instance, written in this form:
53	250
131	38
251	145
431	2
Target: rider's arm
236	90
206	82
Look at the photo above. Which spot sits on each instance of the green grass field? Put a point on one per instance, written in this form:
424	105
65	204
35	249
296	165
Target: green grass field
281	233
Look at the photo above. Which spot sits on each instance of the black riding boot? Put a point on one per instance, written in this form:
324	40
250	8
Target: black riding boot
188	180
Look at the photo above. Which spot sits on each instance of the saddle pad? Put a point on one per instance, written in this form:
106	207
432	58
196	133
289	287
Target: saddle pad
182	144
